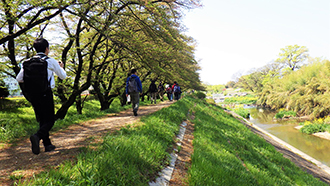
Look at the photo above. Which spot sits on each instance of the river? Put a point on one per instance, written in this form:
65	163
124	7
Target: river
315	147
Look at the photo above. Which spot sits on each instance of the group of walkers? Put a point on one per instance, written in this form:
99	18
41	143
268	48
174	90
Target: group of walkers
37	81
134	90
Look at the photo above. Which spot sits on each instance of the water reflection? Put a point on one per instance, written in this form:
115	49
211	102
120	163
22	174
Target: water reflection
315	147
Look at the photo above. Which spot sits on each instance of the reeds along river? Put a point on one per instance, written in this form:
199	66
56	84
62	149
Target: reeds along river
315	147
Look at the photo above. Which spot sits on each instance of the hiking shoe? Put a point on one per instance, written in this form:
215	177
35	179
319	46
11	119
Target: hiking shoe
135	114
35	144
49	148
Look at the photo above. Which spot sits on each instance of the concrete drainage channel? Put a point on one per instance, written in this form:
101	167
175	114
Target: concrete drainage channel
166	174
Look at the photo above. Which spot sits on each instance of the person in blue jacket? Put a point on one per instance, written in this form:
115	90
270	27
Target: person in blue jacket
134	89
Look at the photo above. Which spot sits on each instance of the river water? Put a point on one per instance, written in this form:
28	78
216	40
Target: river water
315	147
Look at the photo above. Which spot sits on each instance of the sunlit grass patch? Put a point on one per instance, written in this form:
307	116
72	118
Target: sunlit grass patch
131	156
228	153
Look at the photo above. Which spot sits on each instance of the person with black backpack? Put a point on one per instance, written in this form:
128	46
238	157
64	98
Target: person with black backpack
37	76
153	91
134	88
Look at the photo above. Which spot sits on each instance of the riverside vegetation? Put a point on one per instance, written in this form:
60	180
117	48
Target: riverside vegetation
293	82
225	152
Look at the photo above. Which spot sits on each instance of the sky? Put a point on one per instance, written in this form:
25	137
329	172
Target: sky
235	36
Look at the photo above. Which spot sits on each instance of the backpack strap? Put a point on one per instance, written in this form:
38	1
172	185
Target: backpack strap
45	57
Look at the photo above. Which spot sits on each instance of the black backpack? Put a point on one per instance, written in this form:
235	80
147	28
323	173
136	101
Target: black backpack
152	87
35	76
132	85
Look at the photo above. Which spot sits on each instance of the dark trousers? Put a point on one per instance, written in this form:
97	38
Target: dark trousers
176	95
135	99
43	106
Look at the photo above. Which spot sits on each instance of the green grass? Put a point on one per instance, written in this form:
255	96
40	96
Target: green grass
19	122
225	153
132	156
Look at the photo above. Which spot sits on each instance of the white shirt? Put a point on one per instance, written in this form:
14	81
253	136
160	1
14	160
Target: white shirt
53	66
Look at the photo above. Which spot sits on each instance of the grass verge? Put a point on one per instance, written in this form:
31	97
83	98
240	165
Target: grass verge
228	153
225	153
131	156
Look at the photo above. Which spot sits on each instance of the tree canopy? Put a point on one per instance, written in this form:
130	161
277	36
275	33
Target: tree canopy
99	42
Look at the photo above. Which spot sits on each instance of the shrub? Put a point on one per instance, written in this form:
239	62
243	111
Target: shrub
200	95
210	101
313	128
242	112
283	113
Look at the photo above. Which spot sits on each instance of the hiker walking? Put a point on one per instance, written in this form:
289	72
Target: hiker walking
153	91
134	88
37	76
161	91
176	90
169	92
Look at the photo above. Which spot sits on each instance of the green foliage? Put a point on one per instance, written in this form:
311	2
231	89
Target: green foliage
292	56
200	95
245	113
4	92
11	103
228	153
317	125
305	91
283	113
215	89
248	99
225	153
210	101
314	128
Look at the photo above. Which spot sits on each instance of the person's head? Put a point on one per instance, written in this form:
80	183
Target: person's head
175	82
133	71
41	45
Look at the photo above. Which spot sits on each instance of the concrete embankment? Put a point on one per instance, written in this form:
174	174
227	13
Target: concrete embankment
304	161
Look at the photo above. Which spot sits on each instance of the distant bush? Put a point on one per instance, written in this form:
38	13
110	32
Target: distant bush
242	112
314	128
317	125
9	103
200	95
283	113
210	101
248	99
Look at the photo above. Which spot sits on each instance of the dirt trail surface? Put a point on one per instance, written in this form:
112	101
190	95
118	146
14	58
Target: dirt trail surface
19	160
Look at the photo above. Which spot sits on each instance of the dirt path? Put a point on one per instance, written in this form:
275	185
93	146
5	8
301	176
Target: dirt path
18	160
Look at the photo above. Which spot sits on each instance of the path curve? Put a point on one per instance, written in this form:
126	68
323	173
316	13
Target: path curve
19	160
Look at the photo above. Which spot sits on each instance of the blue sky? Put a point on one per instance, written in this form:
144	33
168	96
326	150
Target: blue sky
235	36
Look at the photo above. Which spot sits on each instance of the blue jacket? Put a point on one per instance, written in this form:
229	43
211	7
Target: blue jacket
138	81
